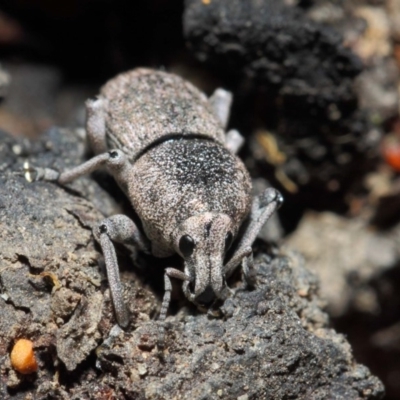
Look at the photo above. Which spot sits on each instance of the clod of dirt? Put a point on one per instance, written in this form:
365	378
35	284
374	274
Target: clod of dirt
275	44
300	80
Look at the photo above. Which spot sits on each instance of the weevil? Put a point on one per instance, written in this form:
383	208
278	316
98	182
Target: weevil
165	144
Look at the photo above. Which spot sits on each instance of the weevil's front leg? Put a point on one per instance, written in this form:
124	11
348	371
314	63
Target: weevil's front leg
118	228
169	273
263	207
114	160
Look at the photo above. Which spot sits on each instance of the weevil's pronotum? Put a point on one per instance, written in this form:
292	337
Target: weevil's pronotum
164	143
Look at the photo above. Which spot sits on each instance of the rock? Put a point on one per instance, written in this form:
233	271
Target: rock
352	255
271	342
299	76
274	44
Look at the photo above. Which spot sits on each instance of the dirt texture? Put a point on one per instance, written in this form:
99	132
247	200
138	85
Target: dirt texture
272	342
309	126
274	43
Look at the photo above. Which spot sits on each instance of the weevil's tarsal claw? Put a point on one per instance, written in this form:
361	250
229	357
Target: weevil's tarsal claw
249	271
169	273
32	174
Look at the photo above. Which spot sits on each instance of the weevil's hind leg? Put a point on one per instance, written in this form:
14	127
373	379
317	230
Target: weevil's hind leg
95	124
221	101
234	141
115	161
263	207
121	229
169	273
95	128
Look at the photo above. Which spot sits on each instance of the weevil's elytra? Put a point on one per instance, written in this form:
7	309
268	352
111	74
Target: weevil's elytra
143	106
164	143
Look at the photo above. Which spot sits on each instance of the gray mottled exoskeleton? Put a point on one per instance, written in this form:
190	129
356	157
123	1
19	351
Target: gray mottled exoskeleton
164	143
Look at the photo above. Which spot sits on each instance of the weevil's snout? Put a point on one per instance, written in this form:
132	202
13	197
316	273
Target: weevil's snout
206	272
202	241
207	296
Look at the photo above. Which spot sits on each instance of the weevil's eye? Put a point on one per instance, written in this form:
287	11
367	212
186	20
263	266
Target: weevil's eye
186	245
228	240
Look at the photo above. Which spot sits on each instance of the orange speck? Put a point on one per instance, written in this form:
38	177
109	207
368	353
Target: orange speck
391	154
23	358
206	2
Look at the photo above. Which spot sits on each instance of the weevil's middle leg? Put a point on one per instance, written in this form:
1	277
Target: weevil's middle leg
95	125
118	228
234	141
114	160
169	273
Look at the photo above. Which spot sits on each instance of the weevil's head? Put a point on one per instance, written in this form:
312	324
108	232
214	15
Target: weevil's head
203	240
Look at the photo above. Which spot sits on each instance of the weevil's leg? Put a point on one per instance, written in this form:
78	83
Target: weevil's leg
249	271
121	229
236	259
263	207
114	160
169	273
121	311
221	101
95	125
234	141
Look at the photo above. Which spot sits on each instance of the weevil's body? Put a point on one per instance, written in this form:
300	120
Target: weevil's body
164	143
176	146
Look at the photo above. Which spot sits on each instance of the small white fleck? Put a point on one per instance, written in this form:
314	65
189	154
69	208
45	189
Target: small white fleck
142	369
17	149
4	296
